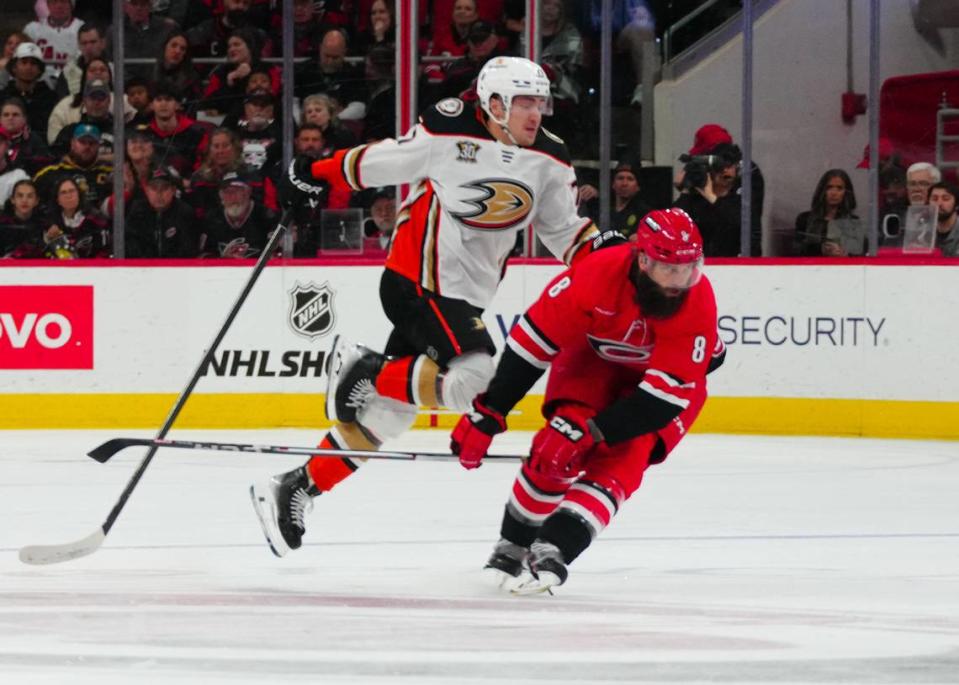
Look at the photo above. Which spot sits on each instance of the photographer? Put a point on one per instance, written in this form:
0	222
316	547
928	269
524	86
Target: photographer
714	141
704	183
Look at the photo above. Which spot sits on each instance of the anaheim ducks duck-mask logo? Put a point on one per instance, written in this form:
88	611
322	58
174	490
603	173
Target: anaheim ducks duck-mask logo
503	204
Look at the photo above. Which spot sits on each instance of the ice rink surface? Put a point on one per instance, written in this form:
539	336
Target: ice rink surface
740	560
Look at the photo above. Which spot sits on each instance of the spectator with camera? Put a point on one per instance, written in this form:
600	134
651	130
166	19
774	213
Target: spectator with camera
704	181
714	141
820	228
943	195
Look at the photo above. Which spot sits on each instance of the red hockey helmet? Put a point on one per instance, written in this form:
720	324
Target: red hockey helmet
672	248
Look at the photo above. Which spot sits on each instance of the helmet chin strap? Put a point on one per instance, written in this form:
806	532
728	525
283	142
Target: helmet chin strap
505	124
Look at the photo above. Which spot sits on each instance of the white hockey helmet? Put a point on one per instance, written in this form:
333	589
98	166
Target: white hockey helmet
508	77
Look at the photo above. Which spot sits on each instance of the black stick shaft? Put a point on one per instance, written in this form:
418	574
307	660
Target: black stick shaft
108	449
188	390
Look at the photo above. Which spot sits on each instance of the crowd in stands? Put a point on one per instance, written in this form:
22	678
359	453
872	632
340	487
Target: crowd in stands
202	163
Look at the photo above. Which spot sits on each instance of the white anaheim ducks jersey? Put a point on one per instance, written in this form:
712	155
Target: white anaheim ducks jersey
470	196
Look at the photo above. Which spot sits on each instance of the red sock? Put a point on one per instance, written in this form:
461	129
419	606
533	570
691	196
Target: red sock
395	379
326	472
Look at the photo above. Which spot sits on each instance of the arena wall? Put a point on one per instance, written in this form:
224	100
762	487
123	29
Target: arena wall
838	348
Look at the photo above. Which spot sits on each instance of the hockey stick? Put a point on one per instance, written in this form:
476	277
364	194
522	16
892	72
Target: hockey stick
52	554
105	451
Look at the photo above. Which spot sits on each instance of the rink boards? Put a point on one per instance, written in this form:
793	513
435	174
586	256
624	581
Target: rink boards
844	348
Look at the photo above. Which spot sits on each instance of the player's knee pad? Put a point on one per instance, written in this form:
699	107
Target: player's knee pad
466	377
385	418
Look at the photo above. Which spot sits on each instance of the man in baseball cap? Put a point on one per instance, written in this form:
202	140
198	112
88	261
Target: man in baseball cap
26	67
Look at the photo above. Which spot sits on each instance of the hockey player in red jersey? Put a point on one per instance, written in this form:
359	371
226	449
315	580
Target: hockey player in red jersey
629	335
478	177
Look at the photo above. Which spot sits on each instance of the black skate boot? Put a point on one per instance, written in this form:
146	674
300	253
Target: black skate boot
351	371
546	567
505	564
280	504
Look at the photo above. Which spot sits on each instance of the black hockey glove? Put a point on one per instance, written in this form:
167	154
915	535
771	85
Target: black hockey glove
608	239
300	175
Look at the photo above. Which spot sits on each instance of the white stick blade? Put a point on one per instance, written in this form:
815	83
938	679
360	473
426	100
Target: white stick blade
38	555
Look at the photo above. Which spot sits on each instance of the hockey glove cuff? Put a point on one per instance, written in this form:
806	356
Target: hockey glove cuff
473	434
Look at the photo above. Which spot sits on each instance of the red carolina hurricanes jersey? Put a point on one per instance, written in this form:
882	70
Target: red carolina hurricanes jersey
593	305
470	196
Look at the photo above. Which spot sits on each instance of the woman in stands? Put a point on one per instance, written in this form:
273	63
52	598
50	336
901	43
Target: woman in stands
174	65
320	110
75	231
834	198
226	88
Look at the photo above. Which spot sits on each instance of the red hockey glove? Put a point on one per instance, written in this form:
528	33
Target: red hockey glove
560	448
473	434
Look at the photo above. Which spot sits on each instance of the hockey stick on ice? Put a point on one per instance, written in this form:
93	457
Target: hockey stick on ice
52	554
108	449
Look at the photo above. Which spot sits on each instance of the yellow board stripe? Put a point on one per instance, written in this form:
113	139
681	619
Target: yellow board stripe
764	415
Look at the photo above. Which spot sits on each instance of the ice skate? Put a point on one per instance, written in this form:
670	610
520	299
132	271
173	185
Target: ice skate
281	504
351	370
505	565
546	569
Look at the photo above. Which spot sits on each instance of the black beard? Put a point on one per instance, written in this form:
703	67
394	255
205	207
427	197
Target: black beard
946	216
653	300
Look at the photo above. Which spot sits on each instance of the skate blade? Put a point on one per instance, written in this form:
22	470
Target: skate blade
501	579
263	507
536	585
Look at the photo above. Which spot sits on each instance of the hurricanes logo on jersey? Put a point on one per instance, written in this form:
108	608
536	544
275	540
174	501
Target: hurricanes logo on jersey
503	204
619	351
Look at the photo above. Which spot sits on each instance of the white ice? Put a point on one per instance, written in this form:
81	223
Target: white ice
740	560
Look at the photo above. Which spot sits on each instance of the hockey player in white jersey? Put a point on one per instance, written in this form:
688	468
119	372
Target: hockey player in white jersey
478	177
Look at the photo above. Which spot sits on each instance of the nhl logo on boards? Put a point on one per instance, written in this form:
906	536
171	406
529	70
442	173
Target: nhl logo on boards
311	310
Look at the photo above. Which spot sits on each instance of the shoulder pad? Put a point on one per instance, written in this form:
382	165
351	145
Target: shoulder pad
452	116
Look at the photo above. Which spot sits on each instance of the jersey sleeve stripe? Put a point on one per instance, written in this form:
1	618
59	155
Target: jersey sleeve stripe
351	166
537	336
547	344
428	260
664	395
525	354
668	380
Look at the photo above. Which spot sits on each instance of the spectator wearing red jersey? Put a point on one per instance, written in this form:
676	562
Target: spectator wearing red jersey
177	137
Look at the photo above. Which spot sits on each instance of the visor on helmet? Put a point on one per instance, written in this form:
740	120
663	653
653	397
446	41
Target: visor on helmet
672	275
